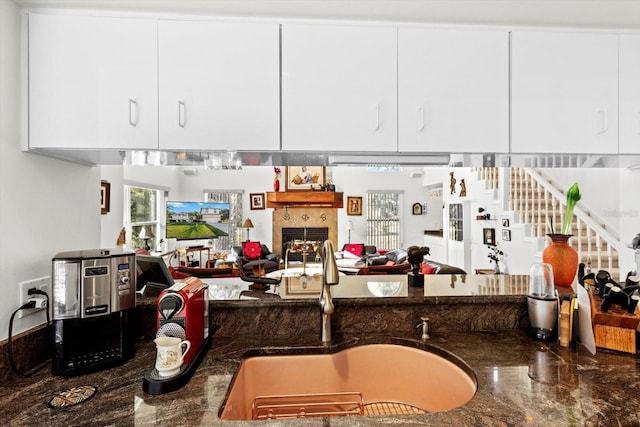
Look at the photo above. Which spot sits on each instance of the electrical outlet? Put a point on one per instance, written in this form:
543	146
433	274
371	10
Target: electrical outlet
43	284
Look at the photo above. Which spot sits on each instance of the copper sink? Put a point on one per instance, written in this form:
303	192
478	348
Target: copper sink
367	380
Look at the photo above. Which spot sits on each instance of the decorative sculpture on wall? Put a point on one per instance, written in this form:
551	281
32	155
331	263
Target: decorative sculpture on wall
122	238
463	188
452	183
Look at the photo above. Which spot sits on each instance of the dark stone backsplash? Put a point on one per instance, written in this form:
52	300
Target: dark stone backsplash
275	317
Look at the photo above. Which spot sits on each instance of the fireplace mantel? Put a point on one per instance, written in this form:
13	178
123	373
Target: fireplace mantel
281	199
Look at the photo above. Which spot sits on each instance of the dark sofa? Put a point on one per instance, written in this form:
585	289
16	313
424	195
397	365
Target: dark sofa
267	260
395	262
405	268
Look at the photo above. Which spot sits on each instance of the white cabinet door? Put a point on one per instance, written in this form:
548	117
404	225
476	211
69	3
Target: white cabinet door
453	90
339	88
219	85
564	92
92	82
629	94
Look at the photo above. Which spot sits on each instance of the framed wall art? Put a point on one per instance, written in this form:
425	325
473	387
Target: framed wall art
506	235
105	197
354	205
489	236
505	222
304	177
257	200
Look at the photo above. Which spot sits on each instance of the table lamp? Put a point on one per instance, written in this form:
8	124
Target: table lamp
248	225
146	233
349	228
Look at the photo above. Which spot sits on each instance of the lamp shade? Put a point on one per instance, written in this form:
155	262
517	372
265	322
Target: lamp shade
146	232
247	223
349	225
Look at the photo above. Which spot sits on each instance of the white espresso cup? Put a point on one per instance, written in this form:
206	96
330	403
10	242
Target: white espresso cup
170	355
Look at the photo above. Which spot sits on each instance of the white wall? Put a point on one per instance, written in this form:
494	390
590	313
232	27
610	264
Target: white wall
357	181
46	205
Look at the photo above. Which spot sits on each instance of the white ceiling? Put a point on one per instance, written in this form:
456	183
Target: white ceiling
569	13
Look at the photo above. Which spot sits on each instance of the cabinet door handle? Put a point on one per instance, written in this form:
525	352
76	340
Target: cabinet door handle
181	113
133	112
603	121
420	118
376	109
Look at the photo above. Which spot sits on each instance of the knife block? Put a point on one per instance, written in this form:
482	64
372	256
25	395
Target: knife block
614	329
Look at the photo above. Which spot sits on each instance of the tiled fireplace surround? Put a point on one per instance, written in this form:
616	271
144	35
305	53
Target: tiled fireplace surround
285	217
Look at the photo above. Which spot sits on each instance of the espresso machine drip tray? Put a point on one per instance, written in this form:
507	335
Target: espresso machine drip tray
154	384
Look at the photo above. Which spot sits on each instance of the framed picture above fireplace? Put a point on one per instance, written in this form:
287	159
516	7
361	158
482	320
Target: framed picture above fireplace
298	178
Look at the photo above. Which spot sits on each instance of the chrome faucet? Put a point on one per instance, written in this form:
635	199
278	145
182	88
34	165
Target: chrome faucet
330	277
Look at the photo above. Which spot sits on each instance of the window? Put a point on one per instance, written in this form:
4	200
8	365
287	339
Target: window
455	222
383	219
234	198
144	208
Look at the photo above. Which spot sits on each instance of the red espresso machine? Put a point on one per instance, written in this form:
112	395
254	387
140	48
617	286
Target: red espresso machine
182	312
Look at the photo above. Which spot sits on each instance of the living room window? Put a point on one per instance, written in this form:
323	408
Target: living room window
234	198
383	219
144	208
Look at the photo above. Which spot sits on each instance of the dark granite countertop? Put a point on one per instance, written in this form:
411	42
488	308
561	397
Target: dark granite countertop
520	382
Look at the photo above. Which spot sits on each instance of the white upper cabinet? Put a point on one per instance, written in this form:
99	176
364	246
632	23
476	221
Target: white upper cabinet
339	88
219	85
564	89
92	82
453	90
630	94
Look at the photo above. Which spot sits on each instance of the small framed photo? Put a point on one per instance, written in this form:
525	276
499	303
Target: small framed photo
417	209
354	205
304	178
506	235
257	200
505	222
489	236
105	197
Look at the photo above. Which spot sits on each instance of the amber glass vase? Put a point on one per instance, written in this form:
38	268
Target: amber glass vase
563	258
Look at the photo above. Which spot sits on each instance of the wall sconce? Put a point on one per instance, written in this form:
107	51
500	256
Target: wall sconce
248	224
349	228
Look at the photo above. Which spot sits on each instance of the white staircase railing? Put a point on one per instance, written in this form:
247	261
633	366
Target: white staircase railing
542	205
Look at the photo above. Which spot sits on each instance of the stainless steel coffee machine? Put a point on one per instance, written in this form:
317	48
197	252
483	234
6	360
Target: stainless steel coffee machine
93	310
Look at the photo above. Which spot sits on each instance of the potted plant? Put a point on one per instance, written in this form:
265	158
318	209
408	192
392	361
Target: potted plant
495	254
562	257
